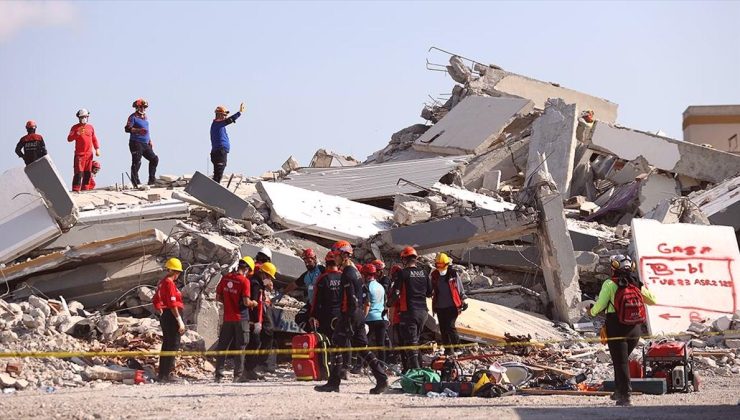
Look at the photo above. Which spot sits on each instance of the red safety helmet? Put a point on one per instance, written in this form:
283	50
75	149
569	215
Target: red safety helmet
409	252
342	246
308	253
395	268
140	103
379	265
96	165
30	124
369	269
331	256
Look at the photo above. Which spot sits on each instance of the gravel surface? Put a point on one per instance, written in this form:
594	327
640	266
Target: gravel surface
287	399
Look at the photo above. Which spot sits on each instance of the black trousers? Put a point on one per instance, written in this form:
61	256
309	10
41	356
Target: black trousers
218	159
410	328
447	318
170	342
377	336
234	335
620	350
350	331
139	150
260	340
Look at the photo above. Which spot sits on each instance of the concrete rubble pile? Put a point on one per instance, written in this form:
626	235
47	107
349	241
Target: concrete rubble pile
531	187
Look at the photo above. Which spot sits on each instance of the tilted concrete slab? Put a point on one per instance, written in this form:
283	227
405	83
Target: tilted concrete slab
48	182
84	233
289	266
25	222
691	269
472	126
664	153
510	158
164	209
656	188
212	193
481	201
145	242
721	204
463	232
323	215
554	136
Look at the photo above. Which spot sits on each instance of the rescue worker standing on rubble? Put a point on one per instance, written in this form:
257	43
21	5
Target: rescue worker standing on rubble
625	336
31	146
83	134
167	301
234	291
350	326
220	144
140	143
448	300
307	280
411	288
260	283
376	316
327	298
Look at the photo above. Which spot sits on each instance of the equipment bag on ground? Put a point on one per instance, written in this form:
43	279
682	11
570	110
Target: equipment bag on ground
413	381
313	365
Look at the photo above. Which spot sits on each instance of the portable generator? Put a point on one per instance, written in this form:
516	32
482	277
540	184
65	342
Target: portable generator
672	361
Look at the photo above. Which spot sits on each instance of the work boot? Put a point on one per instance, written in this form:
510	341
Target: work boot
380	388
344	374
624	402
326	388
170	379
614	396
356	370
152	181
250	375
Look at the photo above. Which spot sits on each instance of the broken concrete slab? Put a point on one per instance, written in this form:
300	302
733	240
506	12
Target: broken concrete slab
463	232
409	210
145	242
510	158
327	159
25	221
289	266
84	234
370	182
656	188
522	258
163	209
677	210
472	126
554	137
323	215
721	204
630	171
209	247
481	201
499	82
212	193
48	182
664	153
690	268
492	180
207	318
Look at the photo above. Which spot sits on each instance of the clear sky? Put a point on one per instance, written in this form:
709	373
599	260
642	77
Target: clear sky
337	75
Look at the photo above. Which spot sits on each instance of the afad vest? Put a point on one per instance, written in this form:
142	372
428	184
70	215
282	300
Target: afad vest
452	282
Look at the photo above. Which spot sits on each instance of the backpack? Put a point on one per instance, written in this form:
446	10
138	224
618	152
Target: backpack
629	304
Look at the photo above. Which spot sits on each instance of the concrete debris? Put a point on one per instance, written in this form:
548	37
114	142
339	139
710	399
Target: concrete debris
44	175
721	204
408	210
327	159
210	192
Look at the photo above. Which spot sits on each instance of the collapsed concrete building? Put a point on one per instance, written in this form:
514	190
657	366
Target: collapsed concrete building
511	176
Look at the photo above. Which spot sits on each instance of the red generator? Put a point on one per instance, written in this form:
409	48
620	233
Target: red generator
672	361
312	362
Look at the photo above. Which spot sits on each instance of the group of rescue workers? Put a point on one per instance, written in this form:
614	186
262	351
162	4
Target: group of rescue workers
31	147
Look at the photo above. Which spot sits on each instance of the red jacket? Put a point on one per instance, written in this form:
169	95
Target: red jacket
453	282
167	295
84	137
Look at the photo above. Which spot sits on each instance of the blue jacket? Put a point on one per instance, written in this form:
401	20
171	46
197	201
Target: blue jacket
138	126
219	136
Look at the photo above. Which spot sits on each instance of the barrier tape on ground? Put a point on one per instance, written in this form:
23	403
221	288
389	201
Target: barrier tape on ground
205	353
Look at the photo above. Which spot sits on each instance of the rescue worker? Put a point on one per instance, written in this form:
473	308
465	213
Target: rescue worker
267	336
31	146
167	301
376	316
623	274
448	300
350	326
95	169
234	291
411	288
83	134
140	143
394	313
383	279
220	144
327	298
307	280
260	283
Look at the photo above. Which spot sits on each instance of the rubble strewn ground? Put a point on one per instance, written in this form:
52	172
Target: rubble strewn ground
514	179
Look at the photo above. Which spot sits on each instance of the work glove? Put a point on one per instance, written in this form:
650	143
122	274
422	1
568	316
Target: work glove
242	108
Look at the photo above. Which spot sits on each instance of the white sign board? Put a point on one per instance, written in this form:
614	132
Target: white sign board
691	269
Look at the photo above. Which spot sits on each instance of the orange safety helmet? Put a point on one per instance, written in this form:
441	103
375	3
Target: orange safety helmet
140	103
30	124
342	246
409	252
221	110
379	265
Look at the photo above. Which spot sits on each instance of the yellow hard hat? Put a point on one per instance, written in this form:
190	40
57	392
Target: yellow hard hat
248	261
173	264
442	258
269	269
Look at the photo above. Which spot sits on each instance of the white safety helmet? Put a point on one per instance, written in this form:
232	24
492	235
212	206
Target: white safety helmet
83	113
266	252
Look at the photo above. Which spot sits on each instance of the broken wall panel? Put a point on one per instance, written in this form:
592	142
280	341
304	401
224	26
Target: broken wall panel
84	233
323	215
289	266
214	194
165	209
25	222
664	153
510	158
368	182
48	182
472	126
481	201
721	204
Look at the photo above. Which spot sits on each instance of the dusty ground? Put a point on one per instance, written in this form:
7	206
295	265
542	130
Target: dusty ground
279	399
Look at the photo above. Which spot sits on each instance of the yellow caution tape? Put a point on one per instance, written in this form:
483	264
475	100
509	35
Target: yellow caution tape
205	353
